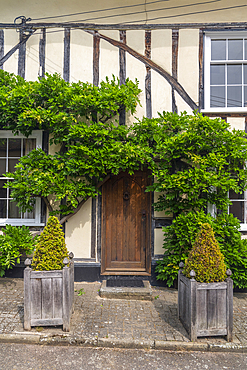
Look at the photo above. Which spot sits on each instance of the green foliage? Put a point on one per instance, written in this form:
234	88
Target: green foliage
51	249
195	159
205	258
180	236
15	241
200	160
234	249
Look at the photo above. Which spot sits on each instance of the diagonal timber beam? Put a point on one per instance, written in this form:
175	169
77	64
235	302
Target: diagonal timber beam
149	63
16	47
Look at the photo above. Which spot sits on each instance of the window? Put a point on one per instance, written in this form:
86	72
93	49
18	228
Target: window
226	71
239	207
11	149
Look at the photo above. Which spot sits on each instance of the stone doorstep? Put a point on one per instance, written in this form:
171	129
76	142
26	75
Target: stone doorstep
144	294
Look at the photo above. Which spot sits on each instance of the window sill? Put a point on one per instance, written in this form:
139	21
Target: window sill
21	223
220	111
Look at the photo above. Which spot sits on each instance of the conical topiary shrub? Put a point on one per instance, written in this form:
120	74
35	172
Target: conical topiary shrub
51	249
205	258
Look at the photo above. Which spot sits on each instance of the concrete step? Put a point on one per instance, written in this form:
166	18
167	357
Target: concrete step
126	292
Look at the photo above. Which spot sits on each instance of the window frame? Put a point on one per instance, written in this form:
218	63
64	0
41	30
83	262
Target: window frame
36	134
243	226
208	36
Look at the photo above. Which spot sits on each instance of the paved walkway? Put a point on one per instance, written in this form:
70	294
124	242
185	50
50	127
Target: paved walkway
98	320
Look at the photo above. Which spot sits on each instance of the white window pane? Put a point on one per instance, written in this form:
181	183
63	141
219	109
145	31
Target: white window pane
217	96
218	49
3	147
28	145
13	210
14	147
2	166
3	208
217	74
235	49
234	96
245	49
234	74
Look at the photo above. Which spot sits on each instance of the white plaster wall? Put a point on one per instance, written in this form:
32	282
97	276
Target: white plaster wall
117	11
32	57
236	122
109	56
161	53
11	38
81	56
158	241
136	69
54	51
188	67
78	232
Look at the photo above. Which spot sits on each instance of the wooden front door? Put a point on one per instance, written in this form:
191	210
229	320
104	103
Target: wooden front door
126	217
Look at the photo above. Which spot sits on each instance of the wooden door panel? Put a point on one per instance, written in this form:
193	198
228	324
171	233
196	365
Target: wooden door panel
126	224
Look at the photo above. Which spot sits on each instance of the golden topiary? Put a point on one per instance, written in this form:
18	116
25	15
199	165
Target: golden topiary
205	258
51	249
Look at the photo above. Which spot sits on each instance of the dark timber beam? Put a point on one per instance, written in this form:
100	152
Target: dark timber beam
140	26
122	73
175	36
148	75
42	43
22	56
200	70
96	52
172	81
66	59
1	46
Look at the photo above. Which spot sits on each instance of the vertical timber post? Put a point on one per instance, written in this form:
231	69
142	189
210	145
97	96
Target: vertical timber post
42	43
122	74
148	75
181	265
1	46
66	59
200	70
96	55
175	37
193	313
66	296
22	56
229	305
27	295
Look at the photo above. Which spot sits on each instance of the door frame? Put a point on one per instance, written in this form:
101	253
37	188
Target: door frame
149	235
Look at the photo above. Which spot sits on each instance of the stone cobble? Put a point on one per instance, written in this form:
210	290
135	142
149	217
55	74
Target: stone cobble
96	317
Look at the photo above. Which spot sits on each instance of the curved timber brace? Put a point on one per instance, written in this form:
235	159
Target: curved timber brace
149	63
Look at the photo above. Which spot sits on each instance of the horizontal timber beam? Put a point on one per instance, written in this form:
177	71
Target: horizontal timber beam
149	63
140	26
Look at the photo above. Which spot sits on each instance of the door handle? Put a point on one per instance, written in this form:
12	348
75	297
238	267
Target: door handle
143	213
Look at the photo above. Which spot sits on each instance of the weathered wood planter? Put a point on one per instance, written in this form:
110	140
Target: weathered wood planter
205	309
49	296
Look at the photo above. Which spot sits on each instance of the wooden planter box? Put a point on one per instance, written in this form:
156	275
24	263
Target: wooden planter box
49	296
205	309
